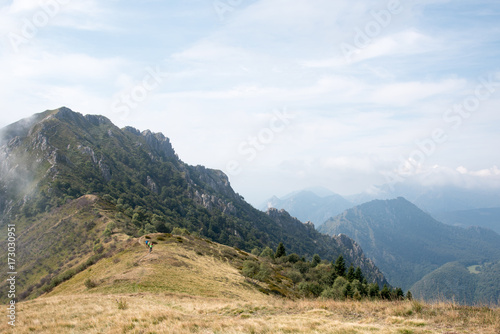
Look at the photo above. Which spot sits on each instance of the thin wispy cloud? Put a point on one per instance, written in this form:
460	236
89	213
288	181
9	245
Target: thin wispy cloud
358	113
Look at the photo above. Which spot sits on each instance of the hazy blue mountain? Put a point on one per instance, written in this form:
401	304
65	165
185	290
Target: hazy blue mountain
314	204
406	243
485	217
434	199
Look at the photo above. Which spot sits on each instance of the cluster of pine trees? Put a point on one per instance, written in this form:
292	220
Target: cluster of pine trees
317	277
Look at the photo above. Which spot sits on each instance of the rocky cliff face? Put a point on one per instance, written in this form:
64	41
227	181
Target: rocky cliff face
33	150
25	157
213	189
159	144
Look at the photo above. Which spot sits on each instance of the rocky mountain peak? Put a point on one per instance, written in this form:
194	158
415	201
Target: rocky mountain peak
159	143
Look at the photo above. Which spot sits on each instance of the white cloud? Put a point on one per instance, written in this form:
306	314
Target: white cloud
488	172
19	6
408	42
354	120
408	93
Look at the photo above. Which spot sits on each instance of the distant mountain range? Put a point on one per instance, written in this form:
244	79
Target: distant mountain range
439	198
314	205
68	180
413	249
449	204
484	217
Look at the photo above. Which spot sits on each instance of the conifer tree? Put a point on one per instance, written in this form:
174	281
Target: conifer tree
315	260
280	251
331	277
409	296
358	274
339	266
399	294
349	292
350	273
385	293
373	290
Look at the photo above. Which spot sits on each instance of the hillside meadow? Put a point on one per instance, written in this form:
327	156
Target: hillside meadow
192	285
181	313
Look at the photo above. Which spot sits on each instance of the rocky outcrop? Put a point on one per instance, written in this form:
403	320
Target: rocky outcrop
88	151
105	170
212	202
132	130
213	189
101	164
216	180
151	185
159	144
282	217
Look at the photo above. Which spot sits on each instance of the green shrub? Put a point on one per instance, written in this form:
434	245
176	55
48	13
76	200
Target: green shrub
250	268
90	283
267	252
264	272
180	231
256	251
310	289
122	304
98	248
294	275
332	293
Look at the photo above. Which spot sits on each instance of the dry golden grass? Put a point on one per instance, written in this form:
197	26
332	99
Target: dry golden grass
177	313
188	285
173	266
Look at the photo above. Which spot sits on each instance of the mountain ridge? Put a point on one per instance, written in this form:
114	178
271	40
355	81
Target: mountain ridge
407	243
310	205
483	217
58	156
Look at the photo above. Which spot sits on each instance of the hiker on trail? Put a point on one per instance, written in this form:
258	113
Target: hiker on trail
150	247
146	242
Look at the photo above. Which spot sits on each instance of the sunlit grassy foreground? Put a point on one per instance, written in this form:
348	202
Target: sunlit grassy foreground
189	285
176	313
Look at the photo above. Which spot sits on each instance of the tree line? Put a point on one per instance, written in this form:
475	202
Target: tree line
317	278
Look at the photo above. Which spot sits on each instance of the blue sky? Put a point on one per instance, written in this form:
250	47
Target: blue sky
281	95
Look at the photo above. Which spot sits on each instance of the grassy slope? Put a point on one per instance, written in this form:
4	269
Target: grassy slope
179	313
52	243
190	285
178	264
